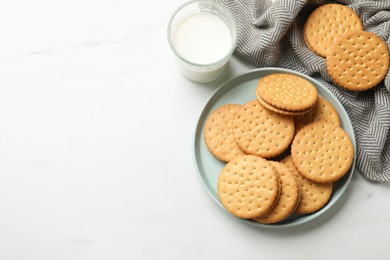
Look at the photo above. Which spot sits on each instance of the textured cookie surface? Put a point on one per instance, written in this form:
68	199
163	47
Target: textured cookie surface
326	23
218	133
322	152
289	196
248	186
314	196
261	132
358	61
281	111
287	92
323	111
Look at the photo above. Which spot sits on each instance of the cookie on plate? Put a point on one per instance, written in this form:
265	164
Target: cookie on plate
287	92
248	186
282	111
218	134
260	132
323	111
289	197
322	152
314	196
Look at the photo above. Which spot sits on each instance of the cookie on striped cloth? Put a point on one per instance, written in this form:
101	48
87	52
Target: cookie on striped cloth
326	23
358	61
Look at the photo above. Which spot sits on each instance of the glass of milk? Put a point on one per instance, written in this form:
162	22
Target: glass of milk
203	36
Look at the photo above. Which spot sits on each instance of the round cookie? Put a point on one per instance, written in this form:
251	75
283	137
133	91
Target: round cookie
326	23
248	186
358	61
314	196
287	92
281	111
260	132
323	112
322	152
288	199
218	134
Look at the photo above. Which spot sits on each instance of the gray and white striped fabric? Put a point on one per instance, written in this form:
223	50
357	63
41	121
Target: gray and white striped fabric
271	35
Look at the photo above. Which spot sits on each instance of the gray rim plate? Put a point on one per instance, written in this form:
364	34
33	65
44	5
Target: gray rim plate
240	90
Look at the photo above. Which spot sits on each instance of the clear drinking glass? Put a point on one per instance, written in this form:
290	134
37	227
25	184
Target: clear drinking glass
202	72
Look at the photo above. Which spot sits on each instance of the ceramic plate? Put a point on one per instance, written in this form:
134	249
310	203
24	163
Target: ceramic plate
239	91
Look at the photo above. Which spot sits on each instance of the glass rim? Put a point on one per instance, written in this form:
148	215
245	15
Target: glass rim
234	34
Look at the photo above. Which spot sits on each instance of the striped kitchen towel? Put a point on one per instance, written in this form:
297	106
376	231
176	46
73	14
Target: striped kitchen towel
271	35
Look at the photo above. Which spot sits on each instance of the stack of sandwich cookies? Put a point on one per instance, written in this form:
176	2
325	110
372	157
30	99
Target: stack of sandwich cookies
289	197
355	60
249	187
286	94
281	111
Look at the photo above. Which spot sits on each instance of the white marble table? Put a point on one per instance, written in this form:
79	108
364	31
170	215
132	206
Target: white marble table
96	130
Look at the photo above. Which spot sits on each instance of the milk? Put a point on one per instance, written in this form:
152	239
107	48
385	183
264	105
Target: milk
204	43
202	38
